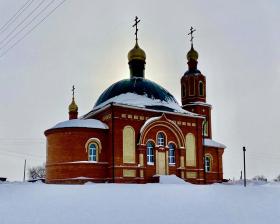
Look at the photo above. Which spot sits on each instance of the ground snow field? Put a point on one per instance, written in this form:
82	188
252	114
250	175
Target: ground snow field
171	201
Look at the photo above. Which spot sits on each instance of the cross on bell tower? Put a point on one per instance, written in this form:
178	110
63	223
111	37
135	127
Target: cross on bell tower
191	33
136	27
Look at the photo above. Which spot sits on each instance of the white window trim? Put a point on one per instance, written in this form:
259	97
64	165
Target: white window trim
148	156
90	157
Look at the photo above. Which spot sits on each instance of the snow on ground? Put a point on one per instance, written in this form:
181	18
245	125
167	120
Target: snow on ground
171	179
165	203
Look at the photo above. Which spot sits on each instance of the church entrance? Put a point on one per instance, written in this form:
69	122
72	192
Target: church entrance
161	163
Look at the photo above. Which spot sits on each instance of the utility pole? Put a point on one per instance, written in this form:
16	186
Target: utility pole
24	170
244	161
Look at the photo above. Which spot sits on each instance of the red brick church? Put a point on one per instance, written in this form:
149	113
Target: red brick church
137	131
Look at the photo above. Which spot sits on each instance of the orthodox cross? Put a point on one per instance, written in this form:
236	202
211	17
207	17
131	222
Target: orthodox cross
191	33
73	91
136	28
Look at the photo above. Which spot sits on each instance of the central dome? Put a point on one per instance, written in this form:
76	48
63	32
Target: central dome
138	86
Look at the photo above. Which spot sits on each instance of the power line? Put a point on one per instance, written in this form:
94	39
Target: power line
21	139
15	16
18	25
21	155
30	22
34	27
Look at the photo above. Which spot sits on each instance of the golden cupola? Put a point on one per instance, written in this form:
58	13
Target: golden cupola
73	108
192	54
136	53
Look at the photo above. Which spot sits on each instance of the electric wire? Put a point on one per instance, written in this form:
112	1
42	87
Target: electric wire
15	16
33	28
18	25
29	23
21	155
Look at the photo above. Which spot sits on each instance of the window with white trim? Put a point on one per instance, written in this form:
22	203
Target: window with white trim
92	152
160	139
150	153
171	154
207	164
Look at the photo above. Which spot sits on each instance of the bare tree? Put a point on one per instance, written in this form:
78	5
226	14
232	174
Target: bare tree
260	178
37	172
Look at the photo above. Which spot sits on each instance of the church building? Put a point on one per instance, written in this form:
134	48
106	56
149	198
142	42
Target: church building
137	131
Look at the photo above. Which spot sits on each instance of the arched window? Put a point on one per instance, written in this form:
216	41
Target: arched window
92	152
128	145
171	154
184	90
160	139
93	148
191	86
150	152
201	88
205	128
207	163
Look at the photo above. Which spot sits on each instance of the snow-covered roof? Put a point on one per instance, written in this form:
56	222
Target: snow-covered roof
150	120
198	103
81	123
211	143
143	101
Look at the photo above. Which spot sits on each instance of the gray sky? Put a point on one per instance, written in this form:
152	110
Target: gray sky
86	43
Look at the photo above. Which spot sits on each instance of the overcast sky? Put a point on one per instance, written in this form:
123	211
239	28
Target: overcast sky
86	43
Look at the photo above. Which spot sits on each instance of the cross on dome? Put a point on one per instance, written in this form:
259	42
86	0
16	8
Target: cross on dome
73	108
73	91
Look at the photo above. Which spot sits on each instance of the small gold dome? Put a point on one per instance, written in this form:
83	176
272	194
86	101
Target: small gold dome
73	106
136	53
192	54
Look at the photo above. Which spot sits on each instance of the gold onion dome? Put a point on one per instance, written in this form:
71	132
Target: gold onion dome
192	54
136	53
73	106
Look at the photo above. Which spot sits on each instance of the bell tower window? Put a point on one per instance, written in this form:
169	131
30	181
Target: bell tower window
205	128
191	86
183	90
201	88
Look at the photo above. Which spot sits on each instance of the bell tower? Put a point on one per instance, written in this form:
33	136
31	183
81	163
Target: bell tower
193	89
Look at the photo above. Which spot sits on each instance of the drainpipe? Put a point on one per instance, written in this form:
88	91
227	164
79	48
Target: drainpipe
203	145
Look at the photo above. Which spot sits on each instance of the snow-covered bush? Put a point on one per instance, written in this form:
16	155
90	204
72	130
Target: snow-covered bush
38	172
260	178
277	179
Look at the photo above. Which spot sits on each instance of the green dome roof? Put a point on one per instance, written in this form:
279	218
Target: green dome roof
138	86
